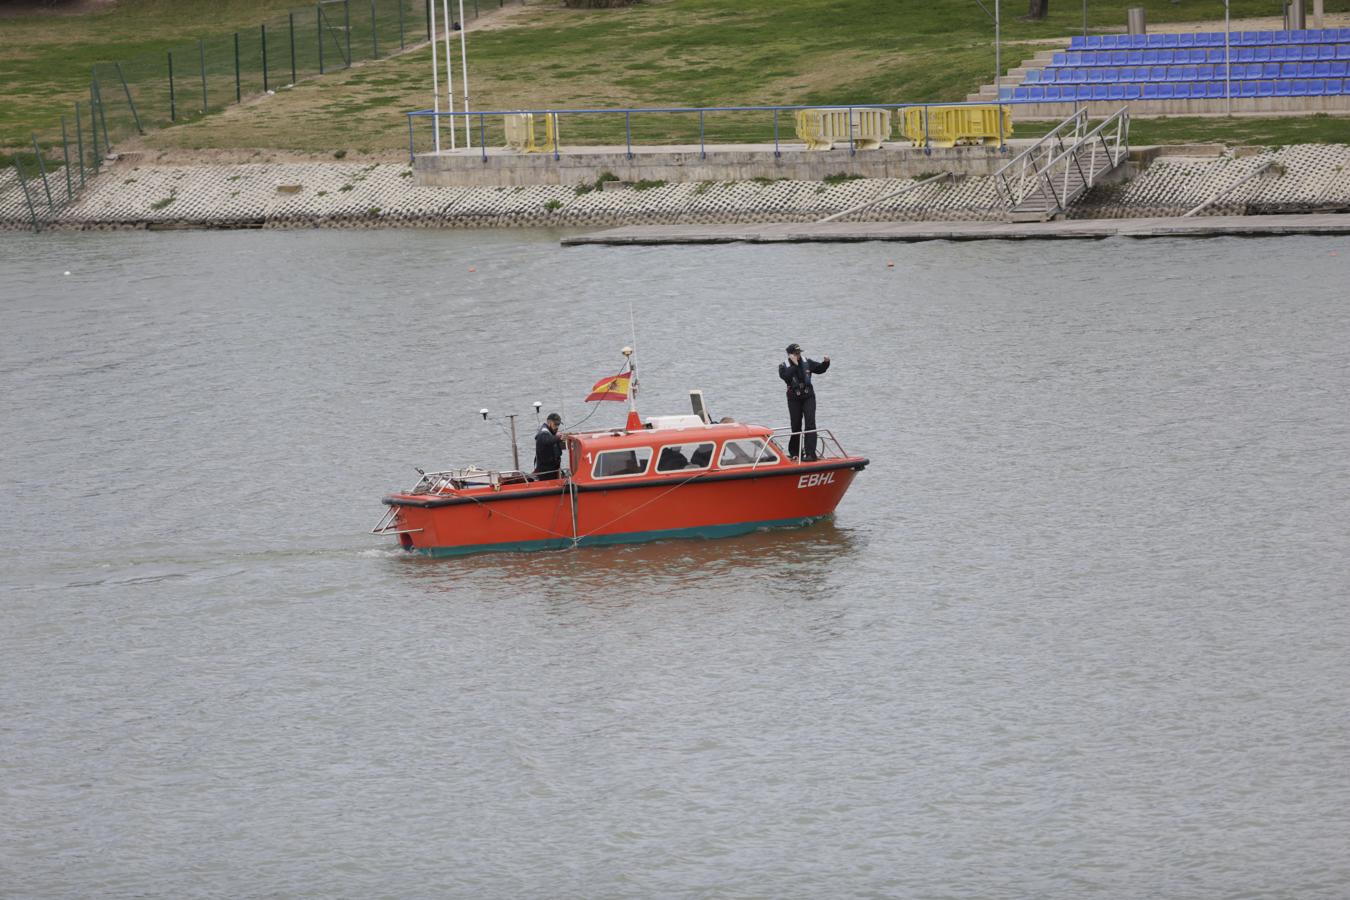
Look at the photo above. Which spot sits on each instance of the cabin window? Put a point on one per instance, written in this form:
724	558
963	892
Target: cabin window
678	457
617	463
746	452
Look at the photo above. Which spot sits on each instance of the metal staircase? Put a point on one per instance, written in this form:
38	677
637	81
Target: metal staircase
1042	181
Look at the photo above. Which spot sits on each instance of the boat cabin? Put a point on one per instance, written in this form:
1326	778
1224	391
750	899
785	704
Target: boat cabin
670	448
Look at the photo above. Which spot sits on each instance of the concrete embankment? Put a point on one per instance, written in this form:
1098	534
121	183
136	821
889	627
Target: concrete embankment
911	232
1299	179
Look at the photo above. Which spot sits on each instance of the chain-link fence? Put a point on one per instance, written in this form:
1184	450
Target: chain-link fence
133	96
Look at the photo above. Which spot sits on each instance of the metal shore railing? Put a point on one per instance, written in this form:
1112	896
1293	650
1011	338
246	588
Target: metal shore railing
485	125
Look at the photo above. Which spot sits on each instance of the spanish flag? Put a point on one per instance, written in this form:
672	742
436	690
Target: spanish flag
615	388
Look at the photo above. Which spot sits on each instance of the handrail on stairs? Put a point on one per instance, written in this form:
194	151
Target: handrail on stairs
1121	119
1067	159
1023	167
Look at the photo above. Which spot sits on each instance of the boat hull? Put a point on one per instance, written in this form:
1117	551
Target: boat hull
535	517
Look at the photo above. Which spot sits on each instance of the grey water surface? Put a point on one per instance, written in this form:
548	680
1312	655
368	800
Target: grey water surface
1080	629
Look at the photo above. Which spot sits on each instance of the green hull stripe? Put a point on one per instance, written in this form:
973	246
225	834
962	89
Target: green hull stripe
600	540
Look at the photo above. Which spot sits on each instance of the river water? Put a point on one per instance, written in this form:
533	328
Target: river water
1081	628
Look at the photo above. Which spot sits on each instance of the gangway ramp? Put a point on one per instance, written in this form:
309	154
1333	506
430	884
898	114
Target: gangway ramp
1045	179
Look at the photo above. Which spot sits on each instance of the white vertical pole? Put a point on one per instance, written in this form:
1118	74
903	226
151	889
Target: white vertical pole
435	83
1227	65
449	71
464	58
998	54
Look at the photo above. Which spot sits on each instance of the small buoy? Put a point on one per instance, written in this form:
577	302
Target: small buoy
472	269
890	265
67	271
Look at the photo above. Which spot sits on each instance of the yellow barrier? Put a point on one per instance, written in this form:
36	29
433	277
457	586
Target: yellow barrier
520	133
821	129
948	126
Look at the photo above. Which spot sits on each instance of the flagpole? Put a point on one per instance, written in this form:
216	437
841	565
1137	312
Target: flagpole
464	59
435	82
449	71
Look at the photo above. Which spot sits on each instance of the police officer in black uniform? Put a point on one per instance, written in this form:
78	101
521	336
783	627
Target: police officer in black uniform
801	397
548	449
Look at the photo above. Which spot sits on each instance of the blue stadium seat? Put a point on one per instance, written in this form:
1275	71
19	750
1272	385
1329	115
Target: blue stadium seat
1326	51
1169	40
1300	88
1327	36
1112	75
1270	70
1265	38
1214	56
1157	73
1284	54
1033	77
1211	39
1284	88
1119	58
1317	87
1077	42
1150	91
1115	92
1052	92
1181	91
1083	92
1204	72
1262	54
1189	73
1092	42
1132	91
1306	70
1246	89
1339	68
1341	87
1243	54
1096	75
1186	40
1155	40
1310	54
1322	70
1138	41
1343	51
1194	56
1165	91
1214	90
1247	38
1288	70
1099	92
1344	36
1059	59
1265	89
1012	94
1036	92
1149	58
1282	37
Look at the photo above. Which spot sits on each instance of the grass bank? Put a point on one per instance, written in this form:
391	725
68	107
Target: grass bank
658	53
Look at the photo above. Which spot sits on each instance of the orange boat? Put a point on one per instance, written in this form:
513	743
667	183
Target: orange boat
666	477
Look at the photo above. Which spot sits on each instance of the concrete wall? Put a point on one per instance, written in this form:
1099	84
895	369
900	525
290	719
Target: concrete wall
1259	105
467	168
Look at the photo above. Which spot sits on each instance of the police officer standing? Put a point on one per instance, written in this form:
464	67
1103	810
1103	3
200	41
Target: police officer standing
548	449
801	398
